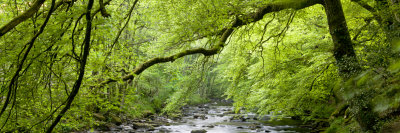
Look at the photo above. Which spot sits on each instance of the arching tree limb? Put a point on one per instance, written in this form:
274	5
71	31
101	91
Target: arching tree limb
151	62
239	21
21	18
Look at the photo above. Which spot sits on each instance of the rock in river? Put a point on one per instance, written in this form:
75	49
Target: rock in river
198	131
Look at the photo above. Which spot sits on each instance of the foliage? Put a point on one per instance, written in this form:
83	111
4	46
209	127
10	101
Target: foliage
282	64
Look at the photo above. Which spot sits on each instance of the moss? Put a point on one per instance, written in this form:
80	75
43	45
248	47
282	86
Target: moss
339	125
390	126
340	111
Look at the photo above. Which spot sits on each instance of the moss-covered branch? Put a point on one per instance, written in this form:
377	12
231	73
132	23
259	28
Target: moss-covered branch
276	7
151	62
239	21
21	18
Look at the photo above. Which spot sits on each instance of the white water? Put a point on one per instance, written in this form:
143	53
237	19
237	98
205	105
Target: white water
221	123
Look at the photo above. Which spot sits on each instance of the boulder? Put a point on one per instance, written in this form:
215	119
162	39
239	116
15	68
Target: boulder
175	116
210	126
254	126
105	126
147	113
238	118
115	119
200	116
142	125
199	131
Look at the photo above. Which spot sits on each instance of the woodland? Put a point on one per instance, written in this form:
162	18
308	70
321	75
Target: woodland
64	64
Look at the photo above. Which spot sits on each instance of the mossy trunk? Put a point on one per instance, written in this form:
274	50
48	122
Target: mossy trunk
346	59
343	50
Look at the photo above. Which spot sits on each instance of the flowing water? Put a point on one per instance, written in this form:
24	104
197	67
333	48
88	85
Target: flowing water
214	118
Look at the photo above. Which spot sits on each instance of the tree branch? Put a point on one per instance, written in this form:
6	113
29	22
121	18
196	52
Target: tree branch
81	72
104	13
275	7
21	18
239	21
369	8
13	83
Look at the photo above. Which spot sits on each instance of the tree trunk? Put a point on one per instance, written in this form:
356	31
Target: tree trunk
343	47
346	58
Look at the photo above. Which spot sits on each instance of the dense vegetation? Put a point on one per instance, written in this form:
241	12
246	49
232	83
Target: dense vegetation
66	62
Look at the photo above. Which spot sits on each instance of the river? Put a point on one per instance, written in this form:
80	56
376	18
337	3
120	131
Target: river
218	119
214	118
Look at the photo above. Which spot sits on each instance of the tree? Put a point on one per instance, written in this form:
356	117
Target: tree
121	50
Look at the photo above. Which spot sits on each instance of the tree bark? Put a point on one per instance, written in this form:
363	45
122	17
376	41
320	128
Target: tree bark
346	58
21	18
343	50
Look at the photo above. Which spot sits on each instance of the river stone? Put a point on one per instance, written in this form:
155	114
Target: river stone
164	130
199	131
210	126
238	118
141	125
105	126
151	129
199	116
115	119
147	113
254	126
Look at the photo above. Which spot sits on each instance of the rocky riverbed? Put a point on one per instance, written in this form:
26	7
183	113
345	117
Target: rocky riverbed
210	118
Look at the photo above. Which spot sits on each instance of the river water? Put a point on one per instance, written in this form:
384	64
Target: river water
214	118
218	119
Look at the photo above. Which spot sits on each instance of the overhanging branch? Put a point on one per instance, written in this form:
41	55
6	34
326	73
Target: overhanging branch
239	21
368	8
21	18
151	62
